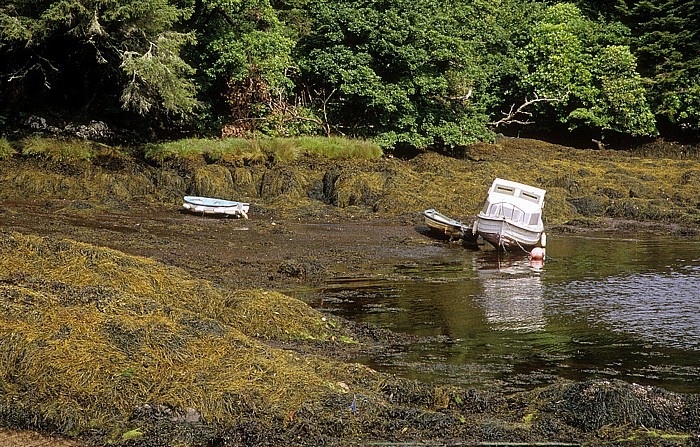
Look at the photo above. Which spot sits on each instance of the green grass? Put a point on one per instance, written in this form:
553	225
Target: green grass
6	149
333	148
56	149
212	150
278	149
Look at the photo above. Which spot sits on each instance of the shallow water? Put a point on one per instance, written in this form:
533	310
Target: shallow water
626	309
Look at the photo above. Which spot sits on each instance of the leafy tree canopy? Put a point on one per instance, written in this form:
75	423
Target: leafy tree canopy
420	73
587	66
668	47
665	38
405	72
68	49
244	57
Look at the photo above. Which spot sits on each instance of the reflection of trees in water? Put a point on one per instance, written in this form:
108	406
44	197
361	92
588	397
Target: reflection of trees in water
512	295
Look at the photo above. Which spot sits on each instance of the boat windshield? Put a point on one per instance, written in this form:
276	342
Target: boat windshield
509	211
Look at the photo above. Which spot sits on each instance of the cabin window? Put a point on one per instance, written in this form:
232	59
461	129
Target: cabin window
517	215
529	196
486	208
505	190
534	218
507	211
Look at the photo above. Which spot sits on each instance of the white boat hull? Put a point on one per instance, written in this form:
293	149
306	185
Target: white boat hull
203	205
512	216
503	233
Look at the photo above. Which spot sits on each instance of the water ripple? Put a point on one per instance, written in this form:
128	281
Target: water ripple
660	308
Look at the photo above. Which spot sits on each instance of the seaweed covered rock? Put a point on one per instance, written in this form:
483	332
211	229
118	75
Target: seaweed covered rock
579	183
284	182
90	338
595	404
588	206
212	181
349	186
273	315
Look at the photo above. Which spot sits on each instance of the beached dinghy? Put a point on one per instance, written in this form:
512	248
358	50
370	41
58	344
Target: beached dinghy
441	224
444	226
206	205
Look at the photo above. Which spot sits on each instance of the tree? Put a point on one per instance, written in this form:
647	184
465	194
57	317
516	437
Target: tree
668	46
401	72
585	62
244	56
87	53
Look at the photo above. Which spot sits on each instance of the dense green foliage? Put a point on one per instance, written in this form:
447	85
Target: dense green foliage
73	53
586	64
400	71
668	47
417	74
665	38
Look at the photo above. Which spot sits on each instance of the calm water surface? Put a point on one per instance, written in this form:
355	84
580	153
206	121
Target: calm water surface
626	309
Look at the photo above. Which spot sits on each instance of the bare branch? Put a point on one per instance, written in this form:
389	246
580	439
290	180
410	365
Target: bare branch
326	99
464	97
510	117
600	144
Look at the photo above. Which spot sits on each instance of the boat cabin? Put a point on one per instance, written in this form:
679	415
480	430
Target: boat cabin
515	201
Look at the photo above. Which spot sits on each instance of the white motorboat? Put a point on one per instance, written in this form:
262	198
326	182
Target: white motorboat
512	216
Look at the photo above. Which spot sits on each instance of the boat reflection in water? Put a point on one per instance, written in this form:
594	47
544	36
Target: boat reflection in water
512	297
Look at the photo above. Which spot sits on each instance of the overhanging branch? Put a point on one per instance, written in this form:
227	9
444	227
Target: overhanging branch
512	116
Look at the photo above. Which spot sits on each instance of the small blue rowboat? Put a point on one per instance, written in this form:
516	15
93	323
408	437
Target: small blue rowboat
206	205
